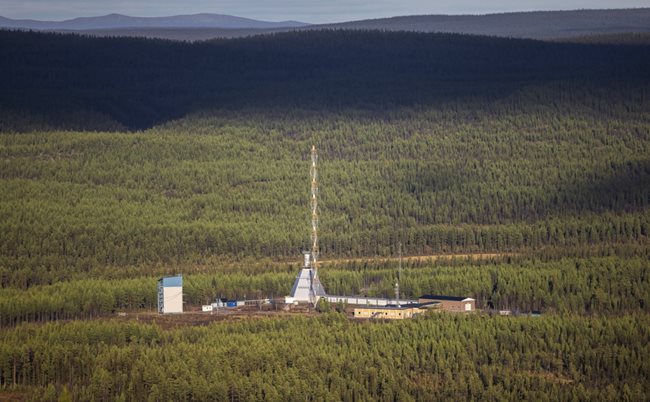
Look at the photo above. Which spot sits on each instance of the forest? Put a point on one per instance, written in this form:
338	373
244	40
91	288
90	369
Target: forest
518	174
595	285
443	357
74	82
123	160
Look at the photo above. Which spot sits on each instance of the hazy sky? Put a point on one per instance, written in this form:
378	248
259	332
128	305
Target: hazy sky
314	11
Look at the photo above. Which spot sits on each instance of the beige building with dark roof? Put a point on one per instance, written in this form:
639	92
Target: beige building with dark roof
393	312
451	303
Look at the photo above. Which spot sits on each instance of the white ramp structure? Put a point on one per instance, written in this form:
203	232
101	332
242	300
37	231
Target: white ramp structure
307	287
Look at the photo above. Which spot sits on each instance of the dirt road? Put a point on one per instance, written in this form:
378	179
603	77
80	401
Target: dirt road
433	257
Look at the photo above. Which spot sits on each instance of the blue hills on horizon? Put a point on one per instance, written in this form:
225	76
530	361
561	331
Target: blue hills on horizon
533	24
118	21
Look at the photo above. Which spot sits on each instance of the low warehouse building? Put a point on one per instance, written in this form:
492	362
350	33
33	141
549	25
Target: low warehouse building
365	301
392	312
451	303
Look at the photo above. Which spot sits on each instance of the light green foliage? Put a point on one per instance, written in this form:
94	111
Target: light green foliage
561	167
604	285
445	356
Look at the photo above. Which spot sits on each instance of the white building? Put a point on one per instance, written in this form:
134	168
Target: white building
170	295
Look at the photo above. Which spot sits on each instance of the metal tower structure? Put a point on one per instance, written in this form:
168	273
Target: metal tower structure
307	287
313	171
399	274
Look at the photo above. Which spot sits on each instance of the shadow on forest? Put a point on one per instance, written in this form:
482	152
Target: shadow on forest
72	81
617	187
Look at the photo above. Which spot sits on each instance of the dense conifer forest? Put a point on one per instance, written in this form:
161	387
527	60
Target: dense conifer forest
122	160
70	81
445	357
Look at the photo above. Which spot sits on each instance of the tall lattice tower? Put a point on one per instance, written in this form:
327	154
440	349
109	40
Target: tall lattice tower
307	287
313	171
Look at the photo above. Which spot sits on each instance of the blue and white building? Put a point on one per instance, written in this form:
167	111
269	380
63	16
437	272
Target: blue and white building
170	294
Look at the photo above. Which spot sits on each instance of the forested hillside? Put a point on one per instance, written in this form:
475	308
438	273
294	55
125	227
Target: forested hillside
122	160
443	143
538	24
73	82
560	167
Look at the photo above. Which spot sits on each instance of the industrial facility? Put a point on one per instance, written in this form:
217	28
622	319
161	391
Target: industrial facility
170	294
308	289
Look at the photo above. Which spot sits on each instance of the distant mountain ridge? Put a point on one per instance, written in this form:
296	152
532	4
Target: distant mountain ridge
532	25
119	21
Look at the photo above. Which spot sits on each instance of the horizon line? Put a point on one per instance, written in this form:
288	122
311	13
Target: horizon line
478	14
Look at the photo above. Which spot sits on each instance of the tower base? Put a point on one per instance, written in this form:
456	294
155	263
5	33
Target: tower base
302	288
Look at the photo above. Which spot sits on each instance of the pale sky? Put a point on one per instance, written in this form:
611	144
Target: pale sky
313	11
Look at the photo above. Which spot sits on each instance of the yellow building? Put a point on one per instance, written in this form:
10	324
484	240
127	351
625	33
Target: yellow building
392	312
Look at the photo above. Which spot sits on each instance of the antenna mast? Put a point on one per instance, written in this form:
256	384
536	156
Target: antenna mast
314	217
307	287
399	273
314	207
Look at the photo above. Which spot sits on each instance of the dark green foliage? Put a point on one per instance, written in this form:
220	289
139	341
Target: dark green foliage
323	306
442	357
139	82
